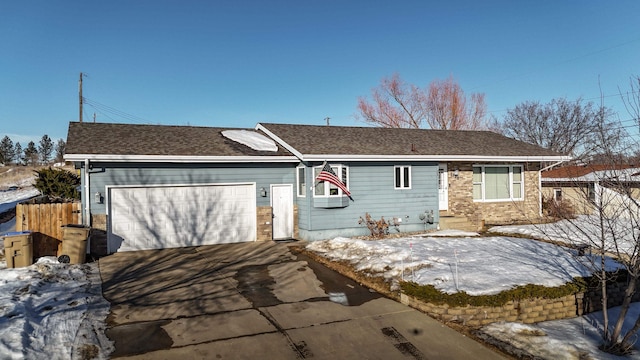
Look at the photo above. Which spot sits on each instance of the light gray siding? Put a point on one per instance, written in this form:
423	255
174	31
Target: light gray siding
372	188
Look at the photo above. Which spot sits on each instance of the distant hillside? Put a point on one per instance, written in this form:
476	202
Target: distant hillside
20	176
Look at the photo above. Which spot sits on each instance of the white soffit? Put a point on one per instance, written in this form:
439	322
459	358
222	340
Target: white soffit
251	139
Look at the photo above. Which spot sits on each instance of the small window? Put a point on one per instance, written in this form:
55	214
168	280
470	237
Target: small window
402	177
591	192
302	183
557	195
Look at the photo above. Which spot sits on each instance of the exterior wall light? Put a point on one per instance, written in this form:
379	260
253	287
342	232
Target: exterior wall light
263	192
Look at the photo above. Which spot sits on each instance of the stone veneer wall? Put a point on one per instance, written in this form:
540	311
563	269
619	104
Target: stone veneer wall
524	311
98	235
461	198
296	227
264	223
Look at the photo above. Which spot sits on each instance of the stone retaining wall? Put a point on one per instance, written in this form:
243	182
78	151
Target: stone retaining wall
524	311
615	296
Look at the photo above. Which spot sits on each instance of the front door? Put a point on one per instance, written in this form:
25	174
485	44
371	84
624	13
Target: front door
282	207
443	187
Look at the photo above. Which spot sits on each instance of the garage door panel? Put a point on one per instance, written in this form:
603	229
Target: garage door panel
176	216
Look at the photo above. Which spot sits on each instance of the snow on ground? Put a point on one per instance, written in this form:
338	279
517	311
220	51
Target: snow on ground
563	339
9	199
451	233
52	311
5	228
49	310
478	265
575	231
453	261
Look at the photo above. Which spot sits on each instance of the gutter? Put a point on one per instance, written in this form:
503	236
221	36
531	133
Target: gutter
181	159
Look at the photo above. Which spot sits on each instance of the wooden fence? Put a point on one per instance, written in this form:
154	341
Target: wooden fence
45	222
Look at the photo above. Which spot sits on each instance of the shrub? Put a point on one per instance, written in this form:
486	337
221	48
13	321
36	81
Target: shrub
558	209
428	293
378	228
58	183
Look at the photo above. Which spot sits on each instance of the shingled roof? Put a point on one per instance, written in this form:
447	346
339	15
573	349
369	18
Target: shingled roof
376	141
129	140
104	141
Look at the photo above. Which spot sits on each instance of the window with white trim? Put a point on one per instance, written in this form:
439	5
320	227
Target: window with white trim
498	182
301	181
557	194
327	189
402	177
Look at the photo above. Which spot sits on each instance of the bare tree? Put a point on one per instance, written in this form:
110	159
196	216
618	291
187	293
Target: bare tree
443	105
631	99
61	147
610	229
449	108
568	127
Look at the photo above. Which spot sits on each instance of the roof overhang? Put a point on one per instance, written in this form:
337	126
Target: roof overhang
439	158
180	159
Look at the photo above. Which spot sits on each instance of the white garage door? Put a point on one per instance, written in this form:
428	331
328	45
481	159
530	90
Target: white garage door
156	217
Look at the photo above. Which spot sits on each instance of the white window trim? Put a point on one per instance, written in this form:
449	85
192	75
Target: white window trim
327	185
555	194
402	178
298	187
511	183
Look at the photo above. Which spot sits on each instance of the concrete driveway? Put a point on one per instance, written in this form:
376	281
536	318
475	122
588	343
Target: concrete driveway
259	301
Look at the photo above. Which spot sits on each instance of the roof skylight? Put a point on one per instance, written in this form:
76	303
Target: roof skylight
251	139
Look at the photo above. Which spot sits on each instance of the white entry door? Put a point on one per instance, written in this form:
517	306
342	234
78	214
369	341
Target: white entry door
443	187
282	207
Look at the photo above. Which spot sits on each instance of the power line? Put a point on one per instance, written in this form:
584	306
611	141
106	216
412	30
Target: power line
106	109
586	99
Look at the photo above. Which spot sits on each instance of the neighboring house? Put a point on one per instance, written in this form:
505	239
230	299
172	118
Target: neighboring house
154	186
582	186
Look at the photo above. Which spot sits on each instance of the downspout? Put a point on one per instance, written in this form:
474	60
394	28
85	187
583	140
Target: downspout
309	198
87	195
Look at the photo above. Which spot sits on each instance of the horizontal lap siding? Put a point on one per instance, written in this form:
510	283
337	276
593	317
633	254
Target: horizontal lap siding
372	188
104	175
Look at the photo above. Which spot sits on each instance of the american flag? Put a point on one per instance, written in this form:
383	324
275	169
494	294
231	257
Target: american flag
327	174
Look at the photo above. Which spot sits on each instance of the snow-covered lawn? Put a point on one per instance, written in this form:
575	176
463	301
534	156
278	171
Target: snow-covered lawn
576	231
476	265
485	265
52	311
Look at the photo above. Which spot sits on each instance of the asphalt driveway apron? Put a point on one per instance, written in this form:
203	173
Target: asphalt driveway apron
260	301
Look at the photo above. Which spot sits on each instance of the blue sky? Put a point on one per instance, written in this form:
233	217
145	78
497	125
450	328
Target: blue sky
236	63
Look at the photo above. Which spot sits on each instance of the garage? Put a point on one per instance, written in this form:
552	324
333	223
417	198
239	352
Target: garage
167	216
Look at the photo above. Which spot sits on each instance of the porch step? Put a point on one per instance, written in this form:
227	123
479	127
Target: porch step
450	222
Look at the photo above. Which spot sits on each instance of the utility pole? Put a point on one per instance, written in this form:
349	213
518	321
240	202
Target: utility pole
80	97
327	120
